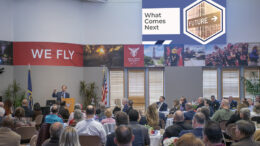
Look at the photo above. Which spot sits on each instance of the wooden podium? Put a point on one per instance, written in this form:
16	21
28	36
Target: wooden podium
70	102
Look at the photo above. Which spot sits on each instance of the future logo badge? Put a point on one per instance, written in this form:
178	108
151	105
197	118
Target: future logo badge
184	22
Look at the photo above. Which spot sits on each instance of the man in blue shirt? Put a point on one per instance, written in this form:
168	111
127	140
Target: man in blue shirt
53	117
233	103
188	115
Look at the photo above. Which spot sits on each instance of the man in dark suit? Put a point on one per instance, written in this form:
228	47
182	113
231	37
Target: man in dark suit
62	94
28	112
178	125
233	103
188	115
214	103
161	105
197	124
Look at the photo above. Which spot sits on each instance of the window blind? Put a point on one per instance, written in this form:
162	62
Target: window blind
116	79
210	85
230	83
155	85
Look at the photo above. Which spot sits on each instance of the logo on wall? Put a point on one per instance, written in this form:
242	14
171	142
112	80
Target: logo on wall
134	56
204	21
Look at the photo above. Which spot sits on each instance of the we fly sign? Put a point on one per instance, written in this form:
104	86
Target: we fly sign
184	22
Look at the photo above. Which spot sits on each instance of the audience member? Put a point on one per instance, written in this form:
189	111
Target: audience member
175	106
69	137
256	111
200	102
108	119
212	134
207	104
161	105
178	125
242	113
197	124
36	110
205	111
55	132
53	117
124	136
244	132
2	112
125	104
224	113
90	126
189	140
7	136
102	108
142	120
152	116
8	107
232	103
188	115
214	103
183	102
140	132
63	111
19	120
28	111
115	110
76	107
78	116
251	104
130	106
121	119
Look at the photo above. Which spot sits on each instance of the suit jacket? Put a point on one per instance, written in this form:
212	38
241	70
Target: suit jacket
9	137
197	132
59	95
246	142
28	112
163	106
189	115
233	104
140	133
175	129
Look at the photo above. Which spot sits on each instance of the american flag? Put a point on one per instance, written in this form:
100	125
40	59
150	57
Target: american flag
104	90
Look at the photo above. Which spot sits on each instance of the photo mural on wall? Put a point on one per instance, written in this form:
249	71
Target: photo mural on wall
173	55
133	56
6	53
104	55
254	54
194	55
154	55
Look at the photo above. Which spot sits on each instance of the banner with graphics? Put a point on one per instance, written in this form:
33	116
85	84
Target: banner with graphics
47	53
134	56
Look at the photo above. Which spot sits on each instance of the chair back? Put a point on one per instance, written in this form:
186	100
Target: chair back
109	127
188	122
87	140
222	125
26	132
43	133
33	140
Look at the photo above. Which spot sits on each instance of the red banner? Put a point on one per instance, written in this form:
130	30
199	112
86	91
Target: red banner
134	56
40	53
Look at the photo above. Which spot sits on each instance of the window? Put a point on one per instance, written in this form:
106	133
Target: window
155	85
136	88
116	87
210	84
253	76
230	83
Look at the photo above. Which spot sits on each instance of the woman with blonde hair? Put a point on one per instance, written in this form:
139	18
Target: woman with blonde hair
152	116
69	137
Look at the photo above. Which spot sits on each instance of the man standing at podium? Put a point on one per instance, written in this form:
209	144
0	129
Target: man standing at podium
62	94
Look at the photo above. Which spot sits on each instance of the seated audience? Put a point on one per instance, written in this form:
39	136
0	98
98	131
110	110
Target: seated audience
183	102
115	110
55	132
108	119
63	111
152	116
28	111
214	103
244	133
125	104
188	115
175	106
205	111
140	132
121	119
130	106
178	125
200	102
224	113
124	136
197	125
90	126
142	120
53	117
36	110
69	137
7	136
251	104
212	134
232	103
240	114
256	111
207	104
76	107
101	115
8	107
78	116
162	106
19	118
189	140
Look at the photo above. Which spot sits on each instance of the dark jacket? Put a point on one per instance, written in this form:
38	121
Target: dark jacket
28	112
189	115
59	95
215	105
233	119
125	108
51	142
246	142
197	132
110	139
163	107
175	129
233	104
43	134
140	133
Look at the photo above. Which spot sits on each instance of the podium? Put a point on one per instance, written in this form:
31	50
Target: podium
70	102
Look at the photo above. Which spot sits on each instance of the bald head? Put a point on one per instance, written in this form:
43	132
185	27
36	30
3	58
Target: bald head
54	109
90	110
178	116
56	129
225	104
24	102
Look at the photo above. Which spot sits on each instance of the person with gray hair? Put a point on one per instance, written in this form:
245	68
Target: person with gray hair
69	137
78	116
55	132
124	103
7	136
245	114
76	107
224	113
244	132
124	136
198	122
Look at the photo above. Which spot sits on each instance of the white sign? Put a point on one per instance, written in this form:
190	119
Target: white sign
161	21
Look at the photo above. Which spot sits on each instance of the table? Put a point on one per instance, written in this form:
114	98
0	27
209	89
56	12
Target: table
156	140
